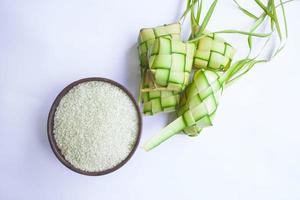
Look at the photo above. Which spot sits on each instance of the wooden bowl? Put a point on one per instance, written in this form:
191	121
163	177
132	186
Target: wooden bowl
50	124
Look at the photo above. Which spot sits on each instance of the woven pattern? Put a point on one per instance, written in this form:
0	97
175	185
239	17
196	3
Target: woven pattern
170	62
199	101
147	37
155	101
213	53
160	101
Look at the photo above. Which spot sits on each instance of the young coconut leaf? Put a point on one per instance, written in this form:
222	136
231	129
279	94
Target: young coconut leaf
272	15
245	11
207	17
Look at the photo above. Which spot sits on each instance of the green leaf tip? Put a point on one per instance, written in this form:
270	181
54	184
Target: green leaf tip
173	128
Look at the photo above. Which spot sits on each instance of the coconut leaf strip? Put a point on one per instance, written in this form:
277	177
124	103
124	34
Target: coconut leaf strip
199	10
257	23
207	17
245	11
265	9
247	66
284	19
275	18
190	5
244	33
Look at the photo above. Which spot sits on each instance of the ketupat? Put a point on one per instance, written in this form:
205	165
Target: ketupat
198	104
213	53
170	65
197	107
155	101
146	39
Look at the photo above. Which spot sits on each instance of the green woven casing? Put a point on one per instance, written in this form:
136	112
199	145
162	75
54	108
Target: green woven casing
199	101
213	53
170	62
155	101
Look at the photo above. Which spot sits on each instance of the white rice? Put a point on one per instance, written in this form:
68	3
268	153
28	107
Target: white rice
95	126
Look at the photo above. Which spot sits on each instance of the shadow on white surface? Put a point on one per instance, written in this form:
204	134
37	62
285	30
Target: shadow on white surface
132	70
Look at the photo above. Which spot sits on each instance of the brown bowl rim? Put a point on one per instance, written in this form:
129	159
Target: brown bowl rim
50	124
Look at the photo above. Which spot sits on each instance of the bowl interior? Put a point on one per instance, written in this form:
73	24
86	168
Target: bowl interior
50	125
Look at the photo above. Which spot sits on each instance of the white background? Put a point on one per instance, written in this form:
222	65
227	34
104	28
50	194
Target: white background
252	151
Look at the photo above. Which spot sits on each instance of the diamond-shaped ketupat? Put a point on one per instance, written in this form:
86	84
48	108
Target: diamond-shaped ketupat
213	53
199	101
197	107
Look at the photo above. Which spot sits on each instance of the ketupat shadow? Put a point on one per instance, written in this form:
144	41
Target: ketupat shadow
132	70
